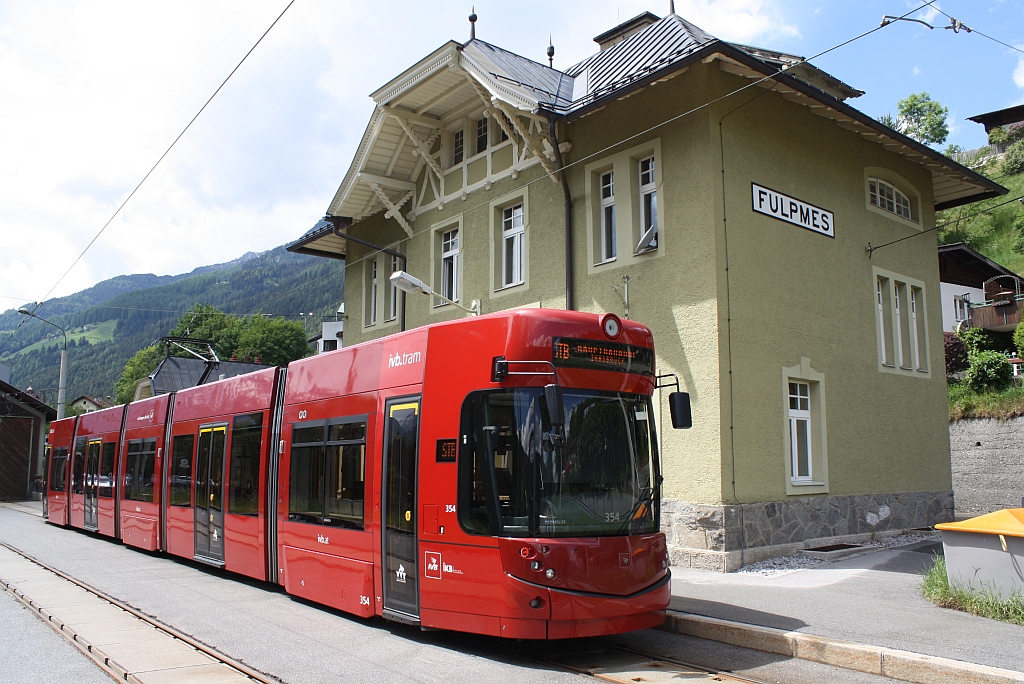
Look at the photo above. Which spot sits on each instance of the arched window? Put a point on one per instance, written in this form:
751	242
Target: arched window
885	196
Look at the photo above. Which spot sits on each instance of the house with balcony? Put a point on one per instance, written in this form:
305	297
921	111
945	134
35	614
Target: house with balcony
727	196
976	292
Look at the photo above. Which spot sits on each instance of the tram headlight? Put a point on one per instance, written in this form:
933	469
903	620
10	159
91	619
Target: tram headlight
536	566
550	574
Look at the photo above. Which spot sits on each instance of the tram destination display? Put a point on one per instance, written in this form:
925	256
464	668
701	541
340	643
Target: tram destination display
596	355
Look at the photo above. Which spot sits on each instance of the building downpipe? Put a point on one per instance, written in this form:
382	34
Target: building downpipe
570	298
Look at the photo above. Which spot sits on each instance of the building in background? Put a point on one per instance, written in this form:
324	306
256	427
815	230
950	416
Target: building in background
977	290
728	197
23	421
89	404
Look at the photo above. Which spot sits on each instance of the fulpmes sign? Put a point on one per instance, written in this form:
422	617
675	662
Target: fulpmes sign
791	210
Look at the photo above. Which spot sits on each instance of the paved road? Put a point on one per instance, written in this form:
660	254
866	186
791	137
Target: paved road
301	642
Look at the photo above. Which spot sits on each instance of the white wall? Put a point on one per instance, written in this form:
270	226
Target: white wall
947	293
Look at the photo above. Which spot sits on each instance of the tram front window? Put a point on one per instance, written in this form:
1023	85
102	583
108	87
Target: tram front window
520	477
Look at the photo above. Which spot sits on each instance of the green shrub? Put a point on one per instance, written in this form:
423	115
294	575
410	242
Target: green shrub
989	370
936	588
1015	132
976	340
1013	160
1018	340
997	135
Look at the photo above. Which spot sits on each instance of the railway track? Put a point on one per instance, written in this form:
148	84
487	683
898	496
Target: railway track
74	609
124	642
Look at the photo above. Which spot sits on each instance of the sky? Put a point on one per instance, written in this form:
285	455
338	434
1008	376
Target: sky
91	94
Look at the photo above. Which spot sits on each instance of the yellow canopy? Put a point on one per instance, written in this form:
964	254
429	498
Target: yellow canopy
1009	522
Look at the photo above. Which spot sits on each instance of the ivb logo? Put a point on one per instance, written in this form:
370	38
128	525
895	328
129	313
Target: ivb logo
432	565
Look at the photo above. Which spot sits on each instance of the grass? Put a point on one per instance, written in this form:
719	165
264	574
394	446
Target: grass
936	588
1002	405
99	332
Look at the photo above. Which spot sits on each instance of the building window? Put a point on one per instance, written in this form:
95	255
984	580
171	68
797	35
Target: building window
961	307
648	208
458	146
607	216
371	293
330	345
901	324
481	135
512	246
805	440
800	431
450	265
886	197
392	295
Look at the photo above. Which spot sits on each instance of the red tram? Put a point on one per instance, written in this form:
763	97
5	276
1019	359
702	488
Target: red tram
506	461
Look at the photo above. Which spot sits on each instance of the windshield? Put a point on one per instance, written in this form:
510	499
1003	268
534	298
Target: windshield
519	476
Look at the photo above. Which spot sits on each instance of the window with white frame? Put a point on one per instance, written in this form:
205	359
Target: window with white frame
886	197
458	146
607	216
370	317
961	307
805	436
481	135
392	291
450	264
512	246
800	431
901	323
648	208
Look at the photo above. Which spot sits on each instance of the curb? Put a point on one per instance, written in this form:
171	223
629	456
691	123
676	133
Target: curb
849	655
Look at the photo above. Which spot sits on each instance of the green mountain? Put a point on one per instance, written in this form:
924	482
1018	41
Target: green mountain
109	322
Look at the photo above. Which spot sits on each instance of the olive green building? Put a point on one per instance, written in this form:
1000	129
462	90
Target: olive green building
724	195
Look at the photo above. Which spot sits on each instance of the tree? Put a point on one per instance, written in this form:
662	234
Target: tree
921	118
206	322
139	366
276	341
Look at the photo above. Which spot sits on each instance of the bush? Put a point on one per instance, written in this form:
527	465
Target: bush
956	353
997	135
1015	132
976	340
1013	160
988	370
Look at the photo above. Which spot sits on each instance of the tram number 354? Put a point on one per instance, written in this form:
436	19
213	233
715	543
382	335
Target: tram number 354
364	600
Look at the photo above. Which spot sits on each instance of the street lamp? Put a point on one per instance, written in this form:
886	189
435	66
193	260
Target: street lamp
407	283
62	383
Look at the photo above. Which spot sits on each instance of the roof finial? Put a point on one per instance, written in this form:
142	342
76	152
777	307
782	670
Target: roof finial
472	24
671	6
551	52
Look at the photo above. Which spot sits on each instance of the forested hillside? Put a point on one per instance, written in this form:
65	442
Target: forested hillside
275	282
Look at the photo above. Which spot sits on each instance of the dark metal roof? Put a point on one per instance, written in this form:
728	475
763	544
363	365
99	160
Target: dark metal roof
655	47
544	82
176	373
26	401
320	240
637	22
999	118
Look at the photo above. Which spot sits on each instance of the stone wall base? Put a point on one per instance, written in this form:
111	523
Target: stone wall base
726	537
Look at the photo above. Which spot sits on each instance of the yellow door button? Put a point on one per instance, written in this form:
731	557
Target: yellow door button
408	516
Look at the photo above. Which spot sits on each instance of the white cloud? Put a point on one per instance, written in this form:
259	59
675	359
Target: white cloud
92	93
1018	73
915	71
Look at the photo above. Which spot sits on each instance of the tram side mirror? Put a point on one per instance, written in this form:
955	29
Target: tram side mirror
679	407
553	398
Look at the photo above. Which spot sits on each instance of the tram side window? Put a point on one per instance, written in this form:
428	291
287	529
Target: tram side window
244	485
328	470
106	483
139	470
182	451
58	469
78	476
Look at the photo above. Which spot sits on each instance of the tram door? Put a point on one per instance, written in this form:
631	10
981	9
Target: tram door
210	493
401	576
92	483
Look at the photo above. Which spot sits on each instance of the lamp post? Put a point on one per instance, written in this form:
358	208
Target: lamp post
62	383
407	283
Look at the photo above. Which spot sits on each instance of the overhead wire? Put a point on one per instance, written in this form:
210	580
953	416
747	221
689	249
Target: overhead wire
957	25
148	173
